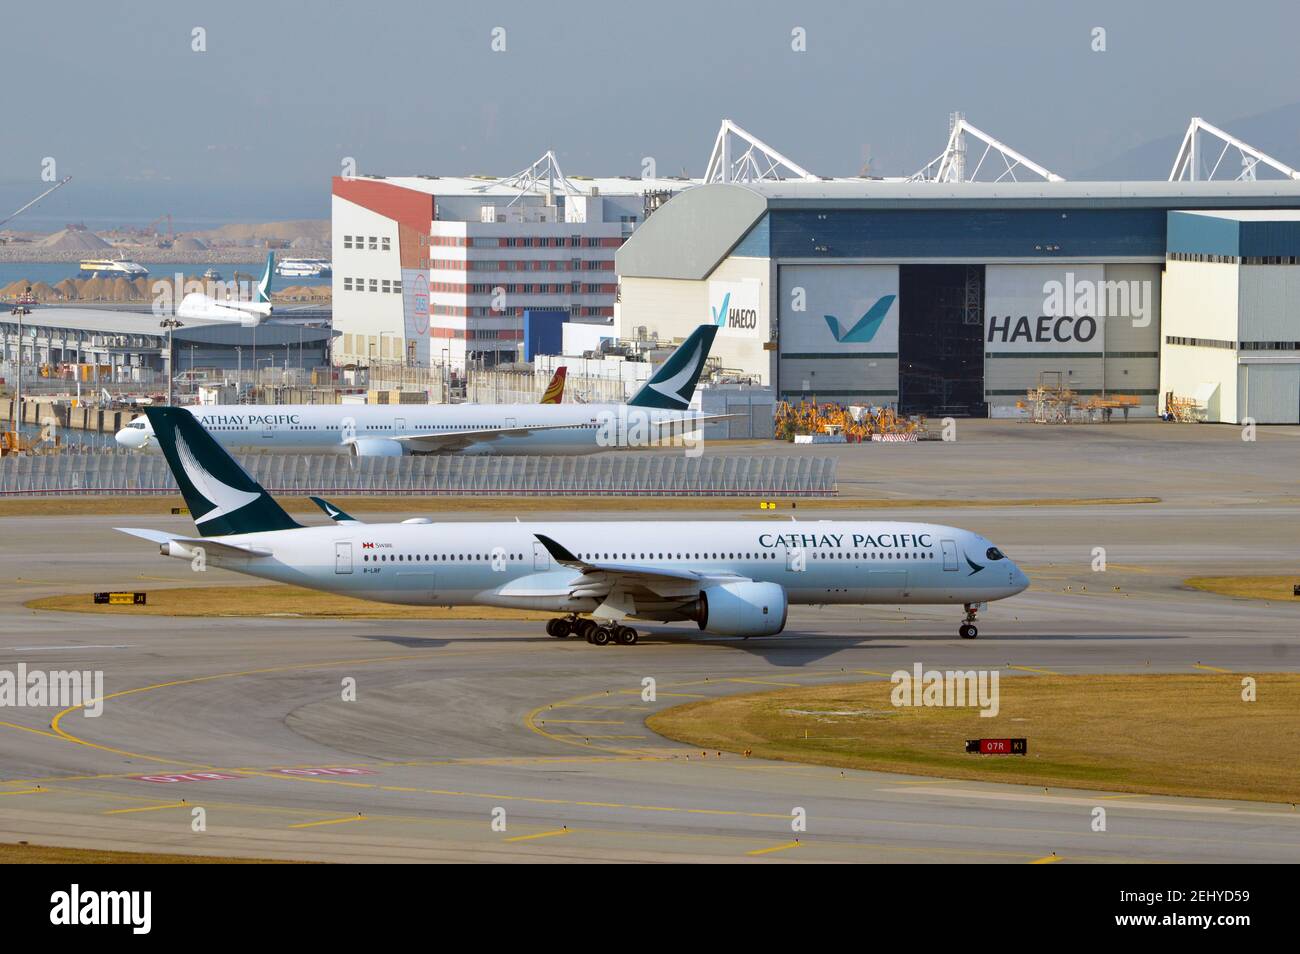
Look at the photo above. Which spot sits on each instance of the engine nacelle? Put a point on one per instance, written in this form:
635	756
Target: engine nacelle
376	447
742	609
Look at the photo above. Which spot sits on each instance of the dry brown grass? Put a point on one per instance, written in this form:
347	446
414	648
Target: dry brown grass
432	506
45	855
1276	588
275	599
1161	734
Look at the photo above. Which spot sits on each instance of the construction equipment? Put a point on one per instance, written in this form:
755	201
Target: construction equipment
858	424
1184	410
58	185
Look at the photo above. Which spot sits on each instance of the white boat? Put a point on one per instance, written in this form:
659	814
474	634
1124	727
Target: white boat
303	268
111	268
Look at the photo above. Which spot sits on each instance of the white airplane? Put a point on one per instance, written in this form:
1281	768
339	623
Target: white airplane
247	313
732	578
658	413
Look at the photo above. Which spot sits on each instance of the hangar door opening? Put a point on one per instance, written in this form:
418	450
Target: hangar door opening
941	340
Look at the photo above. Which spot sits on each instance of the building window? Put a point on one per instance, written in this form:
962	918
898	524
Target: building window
347	284
374	284
374	243
347	241
387	247
386	286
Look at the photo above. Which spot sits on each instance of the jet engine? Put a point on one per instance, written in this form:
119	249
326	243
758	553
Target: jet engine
376	447
742	609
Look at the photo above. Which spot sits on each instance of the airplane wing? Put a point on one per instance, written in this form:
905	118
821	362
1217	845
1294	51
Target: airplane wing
617	585
467	437
209	544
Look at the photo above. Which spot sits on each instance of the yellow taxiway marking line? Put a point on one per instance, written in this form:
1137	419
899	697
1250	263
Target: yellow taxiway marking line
872	672
27	728
584	721
330	821
585	736
146	808
26	791
768	682
1046	860
767	851
1041	672
1128	795
68	736
1211	668
542	834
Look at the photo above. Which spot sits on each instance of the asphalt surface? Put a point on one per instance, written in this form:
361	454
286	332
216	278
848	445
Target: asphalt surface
455	723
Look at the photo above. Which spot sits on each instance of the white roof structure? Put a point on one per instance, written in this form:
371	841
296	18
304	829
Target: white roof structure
1189	163
950	165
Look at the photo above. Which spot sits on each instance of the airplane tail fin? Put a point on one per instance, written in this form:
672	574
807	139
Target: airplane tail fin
673	385
554	393
264	286
221	495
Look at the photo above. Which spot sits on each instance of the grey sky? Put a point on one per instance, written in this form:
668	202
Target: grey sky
286	89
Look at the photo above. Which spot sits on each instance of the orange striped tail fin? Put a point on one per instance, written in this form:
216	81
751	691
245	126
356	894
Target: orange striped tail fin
555	390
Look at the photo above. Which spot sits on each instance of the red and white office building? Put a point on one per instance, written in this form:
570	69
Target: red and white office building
438	271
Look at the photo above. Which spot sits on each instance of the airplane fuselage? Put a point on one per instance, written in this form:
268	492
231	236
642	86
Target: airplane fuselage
504	564
385	430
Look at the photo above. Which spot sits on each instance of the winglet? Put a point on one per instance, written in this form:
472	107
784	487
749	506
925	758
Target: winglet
558	553
333	512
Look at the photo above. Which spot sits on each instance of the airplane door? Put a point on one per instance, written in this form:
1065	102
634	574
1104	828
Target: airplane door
949	555
511	423
400	424
541	559
343	557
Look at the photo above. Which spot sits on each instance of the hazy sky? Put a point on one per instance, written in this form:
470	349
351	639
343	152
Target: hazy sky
257	124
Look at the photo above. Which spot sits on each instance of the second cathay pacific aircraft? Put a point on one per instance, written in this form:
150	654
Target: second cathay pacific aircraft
657	414
733	578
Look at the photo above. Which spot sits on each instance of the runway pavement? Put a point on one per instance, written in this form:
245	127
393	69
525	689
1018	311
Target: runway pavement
455	723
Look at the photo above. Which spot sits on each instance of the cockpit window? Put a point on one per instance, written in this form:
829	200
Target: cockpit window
138	425
993	553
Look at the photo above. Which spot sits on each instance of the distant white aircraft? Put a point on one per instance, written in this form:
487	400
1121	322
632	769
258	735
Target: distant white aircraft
247	313
657	414
733	578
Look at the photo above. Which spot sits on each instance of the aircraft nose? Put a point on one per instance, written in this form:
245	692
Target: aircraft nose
132	437
1018	579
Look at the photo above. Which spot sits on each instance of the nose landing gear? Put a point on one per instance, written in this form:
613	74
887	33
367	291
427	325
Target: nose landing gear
967	629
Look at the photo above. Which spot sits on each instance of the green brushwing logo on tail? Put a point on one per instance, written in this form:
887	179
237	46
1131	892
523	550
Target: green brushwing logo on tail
221	495
673	385
866	326
264	286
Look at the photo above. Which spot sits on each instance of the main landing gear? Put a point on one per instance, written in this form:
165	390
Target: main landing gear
967	629
593	632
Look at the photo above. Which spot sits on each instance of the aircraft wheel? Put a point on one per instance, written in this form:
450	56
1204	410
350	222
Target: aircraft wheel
599	636
967	631
625	636
557	627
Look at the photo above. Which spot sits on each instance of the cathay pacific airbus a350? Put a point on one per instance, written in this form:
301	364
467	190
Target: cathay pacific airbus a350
733	578
657	414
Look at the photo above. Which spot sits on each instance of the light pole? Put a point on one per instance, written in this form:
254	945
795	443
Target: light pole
171	324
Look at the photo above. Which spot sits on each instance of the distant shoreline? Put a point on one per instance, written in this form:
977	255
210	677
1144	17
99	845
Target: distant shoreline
212	256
